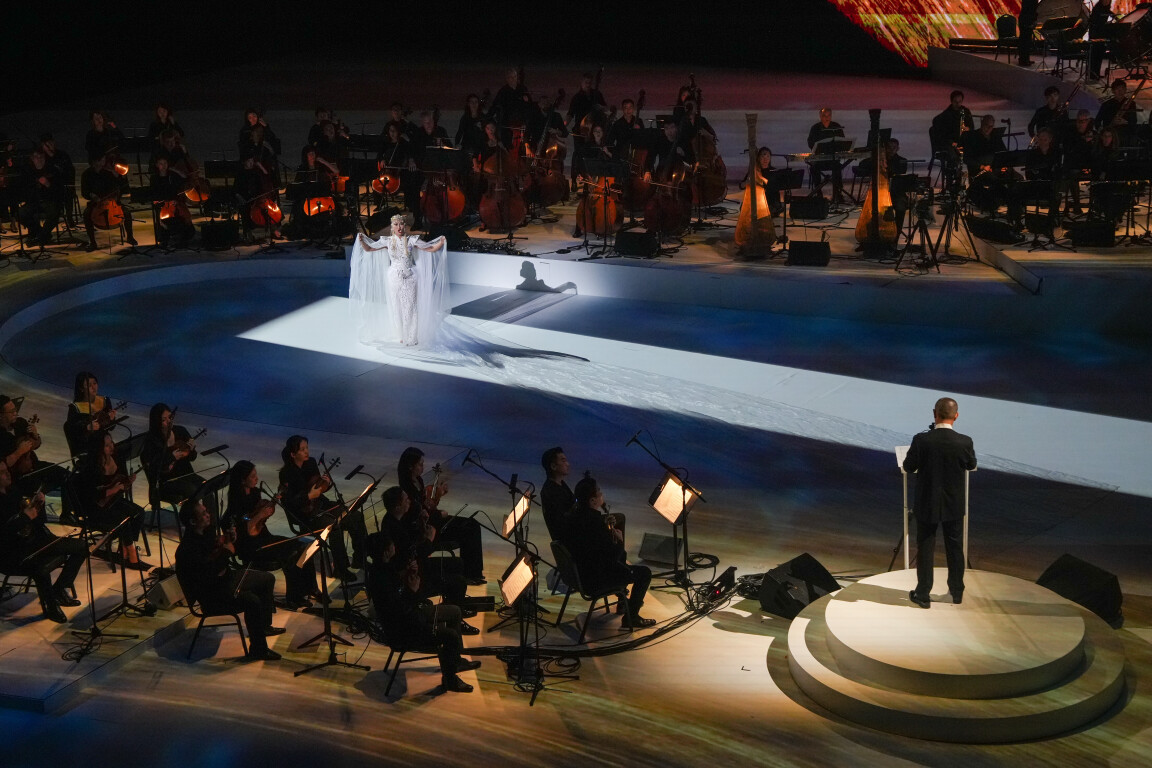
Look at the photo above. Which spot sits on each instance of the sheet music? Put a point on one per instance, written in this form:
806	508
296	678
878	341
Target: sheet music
516	582
901	454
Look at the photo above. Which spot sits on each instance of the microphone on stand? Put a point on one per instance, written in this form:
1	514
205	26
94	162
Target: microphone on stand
217	449
354	472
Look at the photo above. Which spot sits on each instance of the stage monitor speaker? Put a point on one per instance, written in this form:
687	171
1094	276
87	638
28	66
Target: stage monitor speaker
809	208
632	242
166	594
219	235
1085	584
658	548
1093	234
993	230
808	254
787	588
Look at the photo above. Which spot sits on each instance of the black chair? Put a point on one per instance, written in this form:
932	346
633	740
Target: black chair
571	576
203	615
398	650
1006	37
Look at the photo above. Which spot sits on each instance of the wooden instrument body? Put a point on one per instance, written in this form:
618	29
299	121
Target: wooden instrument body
442	201
597	212
877	226
710	181
755	230
105	214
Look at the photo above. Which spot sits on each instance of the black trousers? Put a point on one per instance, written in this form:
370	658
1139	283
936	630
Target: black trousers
953	531
639	576
298	582
466	532
110	515
353	524
65	553
442	623
249	592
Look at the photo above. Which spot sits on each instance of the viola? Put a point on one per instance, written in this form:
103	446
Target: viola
122	481
23	430
102	417
257	522
189	445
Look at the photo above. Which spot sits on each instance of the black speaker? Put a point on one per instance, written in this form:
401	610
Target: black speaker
1094	234
658	548
787	588
808	253
993	230
809	208
456	237
219	235
382	219
1085	584
636	242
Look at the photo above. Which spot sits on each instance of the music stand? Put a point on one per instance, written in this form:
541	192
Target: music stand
828	150
784	180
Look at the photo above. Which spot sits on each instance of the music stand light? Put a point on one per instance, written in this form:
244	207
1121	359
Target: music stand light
517	578
672	499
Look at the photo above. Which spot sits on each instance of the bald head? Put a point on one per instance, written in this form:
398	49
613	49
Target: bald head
945	410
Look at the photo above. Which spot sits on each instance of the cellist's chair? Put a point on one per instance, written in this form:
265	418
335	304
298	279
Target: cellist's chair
203	614
570	574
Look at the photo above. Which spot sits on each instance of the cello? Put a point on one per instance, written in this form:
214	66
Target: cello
876	231
597	212
755	231
549	185
502	207
442	201
637	189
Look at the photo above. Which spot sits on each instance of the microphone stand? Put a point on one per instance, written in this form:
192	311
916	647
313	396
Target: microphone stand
93	636
338	530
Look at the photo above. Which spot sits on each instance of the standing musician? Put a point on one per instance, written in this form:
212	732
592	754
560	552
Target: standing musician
1026	27
1119	113
1051	115
88	412
628	131
583	102
28	547
546	119
102	137
949	126
42	197
512	105
1099	19
463	530
163	120
100	184
9	201
206	577
470	131
693	123
252	118
105	488
167	455
173	217
826	128
248	512
302	489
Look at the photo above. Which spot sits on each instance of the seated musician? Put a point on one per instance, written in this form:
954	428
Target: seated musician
316	132
693	123
302	490
103	137
825	128
1105	152
174	219
399	118
100	184
627	132
332	146
88	412
105	486
557	501
463	531
28	547
313	182
1043	160
949	126
1119	113
897	163
208	579
19	440
248	513
43	198
395	157
163	120
773	193
61	163
470	131
429	134
667	149
598	552
1048	116
409	617
252	118
1078	150
166	456
980	147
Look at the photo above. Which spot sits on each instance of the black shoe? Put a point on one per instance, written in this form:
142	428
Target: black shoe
139	565
90	247
923	602
64	599
957	598
298	604
468	666
577	232
454	684
273	631
468	629
467	613
52	612
68	518
263	654
636	622
1024	63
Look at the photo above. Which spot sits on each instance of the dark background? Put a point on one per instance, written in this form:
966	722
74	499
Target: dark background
60	55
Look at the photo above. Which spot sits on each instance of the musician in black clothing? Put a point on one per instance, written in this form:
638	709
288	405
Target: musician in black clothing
88	412
980	147
556	499
166	456
173	217
252	118
512	105
546	118
1118	113
598	552
104	487
1098	20
693	123
1078	149
28	547
302	490
1043	160
1050	115
396	156
949	126
450	529
771	191
9	172
400	120
312	184
60	160
163	120
584	100
248	513
826	128
42	195
100	183
409	618
207	578
103	137
1026	25
666	148
19	440
316	132
1104	153
627	132
332	145
470	131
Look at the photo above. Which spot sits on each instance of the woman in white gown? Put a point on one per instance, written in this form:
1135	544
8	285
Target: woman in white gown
403	299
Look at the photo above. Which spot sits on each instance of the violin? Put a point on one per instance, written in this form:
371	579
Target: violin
189	445
114	486
438	488
257	522
102	416
226	539
24	430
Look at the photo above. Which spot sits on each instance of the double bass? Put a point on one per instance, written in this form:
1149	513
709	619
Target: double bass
637	189
502	207
877	230
669	209
442	201
755	231
549	185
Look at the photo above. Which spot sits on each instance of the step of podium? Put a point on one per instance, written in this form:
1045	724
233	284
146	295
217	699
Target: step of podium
1014	662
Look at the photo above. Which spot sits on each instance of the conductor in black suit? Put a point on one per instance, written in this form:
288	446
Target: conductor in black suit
940	457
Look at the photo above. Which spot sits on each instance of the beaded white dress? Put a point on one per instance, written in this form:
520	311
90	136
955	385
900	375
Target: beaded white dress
399	294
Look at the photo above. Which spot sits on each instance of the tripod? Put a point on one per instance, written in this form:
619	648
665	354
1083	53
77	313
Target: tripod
524	662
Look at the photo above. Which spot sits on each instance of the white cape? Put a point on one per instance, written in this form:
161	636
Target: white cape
377	322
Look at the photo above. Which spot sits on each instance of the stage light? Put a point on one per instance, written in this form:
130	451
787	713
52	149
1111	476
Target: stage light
672	499
516	579
517	514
